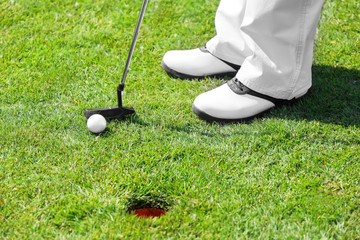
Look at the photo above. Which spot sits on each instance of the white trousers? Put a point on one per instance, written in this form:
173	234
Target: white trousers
272	40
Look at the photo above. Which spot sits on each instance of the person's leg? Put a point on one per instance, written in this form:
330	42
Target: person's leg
279	35
228	43
276	40
221	56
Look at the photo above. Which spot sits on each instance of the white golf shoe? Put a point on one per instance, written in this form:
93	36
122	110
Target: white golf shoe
196	63
233	102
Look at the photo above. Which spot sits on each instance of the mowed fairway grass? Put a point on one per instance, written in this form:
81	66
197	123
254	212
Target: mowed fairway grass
291	174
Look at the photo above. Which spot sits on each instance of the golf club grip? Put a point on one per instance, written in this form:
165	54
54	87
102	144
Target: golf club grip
133	43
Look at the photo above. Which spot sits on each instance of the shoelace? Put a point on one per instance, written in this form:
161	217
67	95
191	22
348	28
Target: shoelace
239	84
237	87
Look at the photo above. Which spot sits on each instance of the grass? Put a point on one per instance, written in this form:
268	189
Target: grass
293	174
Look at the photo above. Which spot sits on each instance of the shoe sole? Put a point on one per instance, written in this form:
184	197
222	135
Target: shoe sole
180	75
212	119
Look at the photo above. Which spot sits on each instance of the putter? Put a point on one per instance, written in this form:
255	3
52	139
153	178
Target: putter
120	111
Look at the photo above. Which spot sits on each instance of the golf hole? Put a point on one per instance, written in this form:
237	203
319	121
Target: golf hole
148	212
146	207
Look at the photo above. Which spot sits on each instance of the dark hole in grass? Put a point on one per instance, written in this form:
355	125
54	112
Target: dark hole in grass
147	206
149	212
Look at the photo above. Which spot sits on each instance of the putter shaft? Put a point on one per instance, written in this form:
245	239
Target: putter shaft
120	111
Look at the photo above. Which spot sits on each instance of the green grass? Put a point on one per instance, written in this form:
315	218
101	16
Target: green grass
293	174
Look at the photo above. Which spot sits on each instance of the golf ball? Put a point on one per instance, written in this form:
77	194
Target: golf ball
96	123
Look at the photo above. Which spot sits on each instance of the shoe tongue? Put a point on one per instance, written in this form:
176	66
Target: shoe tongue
237	87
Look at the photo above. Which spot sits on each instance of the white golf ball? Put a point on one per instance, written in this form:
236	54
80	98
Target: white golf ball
96	123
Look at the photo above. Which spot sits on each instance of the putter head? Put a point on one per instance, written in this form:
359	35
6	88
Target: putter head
110	112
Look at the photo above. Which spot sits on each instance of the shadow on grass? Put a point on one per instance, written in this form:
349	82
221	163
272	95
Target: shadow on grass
187	128
334	99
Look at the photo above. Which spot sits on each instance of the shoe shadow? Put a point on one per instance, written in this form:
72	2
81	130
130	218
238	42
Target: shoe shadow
334	98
